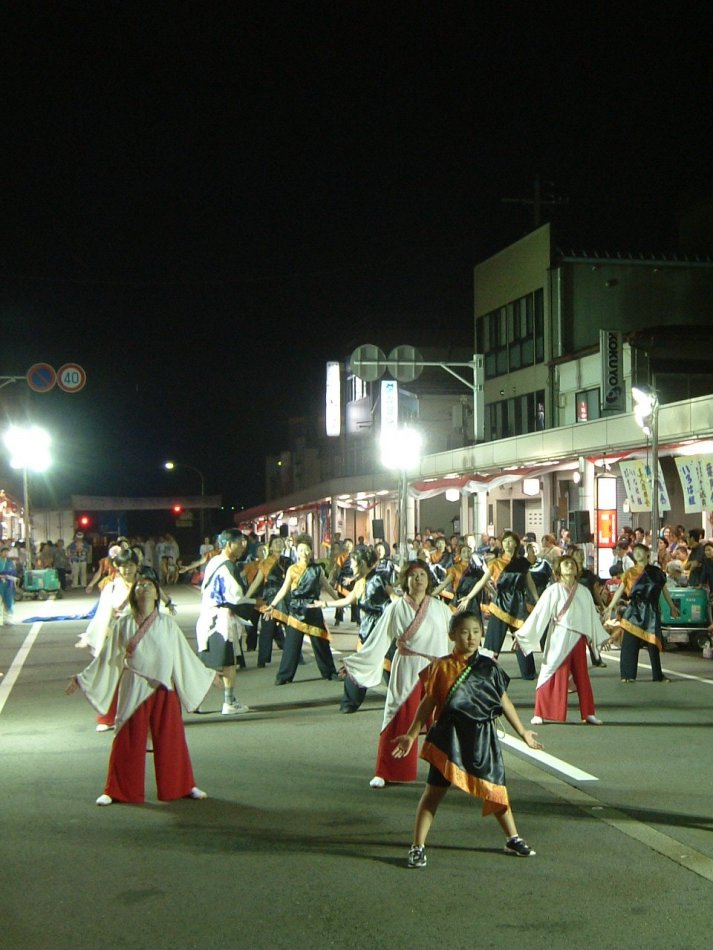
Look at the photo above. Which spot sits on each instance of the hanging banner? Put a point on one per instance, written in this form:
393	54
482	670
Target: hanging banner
636	476
636	485
705	471
611	354
664	500
689	475
696	475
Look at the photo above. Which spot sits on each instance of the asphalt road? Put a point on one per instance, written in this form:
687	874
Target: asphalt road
293	849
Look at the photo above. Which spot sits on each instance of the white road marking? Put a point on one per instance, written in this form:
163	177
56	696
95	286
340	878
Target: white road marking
559	765
682	854
10	678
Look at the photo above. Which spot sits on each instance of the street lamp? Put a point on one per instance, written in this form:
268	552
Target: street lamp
29	449
170	467
401	450
646	413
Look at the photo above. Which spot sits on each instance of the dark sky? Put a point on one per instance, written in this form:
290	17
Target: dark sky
200	205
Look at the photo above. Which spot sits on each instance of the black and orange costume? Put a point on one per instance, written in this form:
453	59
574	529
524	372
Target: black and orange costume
509	608
641	621
462	745
301	619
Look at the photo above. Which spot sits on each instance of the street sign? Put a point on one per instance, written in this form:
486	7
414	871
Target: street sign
41	377
405	363
71	378
368	363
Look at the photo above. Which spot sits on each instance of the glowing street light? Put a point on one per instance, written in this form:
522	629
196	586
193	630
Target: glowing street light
646	413
401	450
29	448
170	466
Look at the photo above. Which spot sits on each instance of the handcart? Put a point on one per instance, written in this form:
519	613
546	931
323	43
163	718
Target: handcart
40	584
691	625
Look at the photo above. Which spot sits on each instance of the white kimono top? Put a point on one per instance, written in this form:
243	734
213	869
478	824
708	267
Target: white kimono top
580	620
413	653
113	602
162	658
219	587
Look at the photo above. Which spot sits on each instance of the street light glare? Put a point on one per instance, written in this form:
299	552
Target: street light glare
401	449
29	447
645	398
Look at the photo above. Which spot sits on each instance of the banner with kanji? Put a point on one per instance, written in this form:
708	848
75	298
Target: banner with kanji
637	477
696	475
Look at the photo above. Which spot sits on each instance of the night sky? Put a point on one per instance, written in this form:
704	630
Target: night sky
200	205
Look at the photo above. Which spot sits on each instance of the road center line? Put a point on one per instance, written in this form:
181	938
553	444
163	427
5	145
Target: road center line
10	678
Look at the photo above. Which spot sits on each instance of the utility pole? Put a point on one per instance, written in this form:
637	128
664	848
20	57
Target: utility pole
537	201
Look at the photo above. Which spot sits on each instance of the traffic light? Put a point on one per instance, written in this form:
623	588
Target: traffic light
177	509
83	522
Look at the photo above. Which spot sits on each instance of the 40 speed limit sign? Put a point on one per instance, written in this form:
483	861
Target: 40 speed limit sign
71	378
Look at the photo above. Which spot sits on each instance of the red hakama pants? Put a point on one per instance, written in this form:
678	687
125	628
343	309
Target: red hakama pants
161	712
387	767
551	697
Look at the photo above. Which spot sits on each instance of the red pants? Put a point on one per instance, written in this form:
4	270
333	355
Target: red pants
551	697
406	769
127	764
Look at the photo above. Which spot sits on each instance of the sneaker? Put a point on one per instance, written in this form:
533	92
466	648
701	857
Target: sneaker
104	727
104	800
196	792
234	709
377	782
593	721
519	847
536	721
416	857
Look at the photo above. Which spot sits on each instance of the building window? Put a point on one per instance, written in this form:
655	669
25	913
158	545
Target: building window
516	416
513	337
588	405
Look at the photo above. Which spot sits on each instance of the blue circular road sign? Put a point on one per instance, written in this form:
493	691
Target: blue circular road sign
41	377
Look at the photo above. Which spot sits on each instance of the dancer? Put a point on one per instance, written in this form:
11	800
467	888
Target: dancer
467	692
149	661
640	624
509	608
303	582
8	580
587	578
418	623
566	616
218	626
342	576
373	594
384	565
113	603
466	577
270	576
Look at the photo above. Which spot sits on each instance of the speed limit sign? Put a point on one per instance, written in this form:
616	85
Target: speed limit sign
71	378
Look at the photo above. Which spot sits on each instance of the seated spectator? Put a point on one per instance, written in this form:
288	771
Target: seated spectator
622	559
674	574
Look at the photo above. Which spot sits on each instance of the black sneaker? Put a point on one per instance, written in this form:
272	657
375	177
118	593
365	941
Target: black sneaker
519	847
416	857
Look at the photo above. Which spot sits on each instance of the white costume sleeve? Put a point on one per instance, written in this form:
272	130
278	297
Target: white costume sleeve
366	667
531	632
